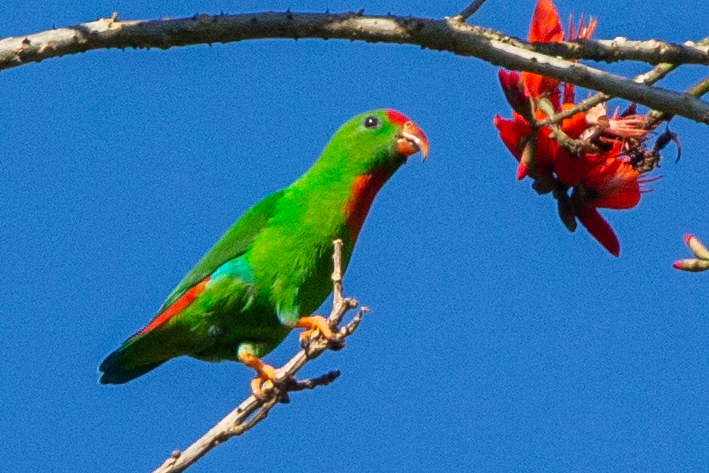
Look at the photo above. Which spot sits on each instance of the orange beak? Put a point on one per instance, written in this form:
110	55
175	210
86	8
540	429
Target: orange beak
412	140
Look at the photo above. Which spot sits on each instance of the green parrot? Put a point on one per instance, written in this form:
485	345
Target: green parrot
271	270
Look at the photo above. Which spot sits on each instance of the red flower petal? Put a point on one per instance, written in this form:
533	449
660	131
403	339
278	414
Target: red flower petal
511	133
599	229
545	28
569	94
513	90
546	148
615	182
575	125
573	170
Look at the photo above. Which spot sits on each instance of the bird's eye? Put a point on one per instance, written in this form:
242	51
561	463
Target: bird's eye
371	122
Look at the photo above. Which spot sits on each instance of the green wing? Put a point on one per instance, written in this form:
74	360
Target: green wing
232	244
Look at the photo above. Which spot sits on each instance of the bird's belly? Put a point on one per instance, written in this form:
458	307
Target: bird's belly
230	316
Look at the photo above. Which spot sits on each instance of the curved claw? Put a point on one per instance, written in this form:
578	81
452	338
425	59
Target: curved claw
304	338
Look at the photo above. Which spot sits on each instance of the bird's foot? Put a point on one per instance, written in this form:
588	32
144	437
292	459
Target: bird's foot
265	375
263	383
318	323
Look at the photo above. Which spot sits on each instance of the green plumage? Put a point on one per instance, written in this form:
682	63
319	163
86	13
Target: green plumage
273	265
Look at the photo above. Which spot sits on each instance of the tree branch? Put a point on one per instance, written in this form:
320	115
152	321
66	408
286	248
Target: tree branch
442	35
650	77
252	411
697	90
622	49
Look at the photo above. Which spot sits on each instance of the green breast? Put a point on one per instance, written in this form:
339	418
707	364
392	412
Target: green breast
292	257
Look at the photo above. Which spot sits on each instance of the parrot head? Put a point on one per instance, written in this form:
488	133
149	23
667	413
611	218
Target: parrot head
364	153
379	140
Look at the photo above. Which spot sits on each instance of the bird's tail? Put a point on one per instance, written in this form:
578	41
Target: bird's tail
144	351
119	367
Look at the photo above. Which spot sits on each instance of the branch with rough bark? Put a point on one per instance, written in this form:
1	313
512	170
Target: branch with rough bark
447	34
252	410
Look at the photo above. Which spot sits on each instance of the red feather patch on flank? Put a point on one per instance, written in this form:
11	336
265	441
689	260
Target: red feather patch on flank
397	118
181	303
363	192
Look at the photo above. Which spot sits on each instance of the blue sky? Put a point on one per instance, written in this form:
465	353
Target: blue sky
497	341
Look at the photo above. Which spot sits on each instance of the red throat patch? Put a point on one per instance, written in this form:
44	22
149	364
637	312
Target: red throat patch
363	192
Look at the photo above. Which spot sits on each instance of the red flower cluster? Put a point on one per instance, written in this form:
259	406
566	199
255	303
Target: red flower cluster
588	153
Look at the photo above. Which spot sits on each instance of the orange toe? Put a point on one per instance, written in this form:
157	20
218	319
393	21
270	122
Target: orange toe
313	323
264	374
319	323
259	387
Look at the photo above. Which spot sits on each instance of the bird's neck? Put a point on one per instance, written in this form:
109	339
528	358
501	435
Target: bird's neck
362	193
340	191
